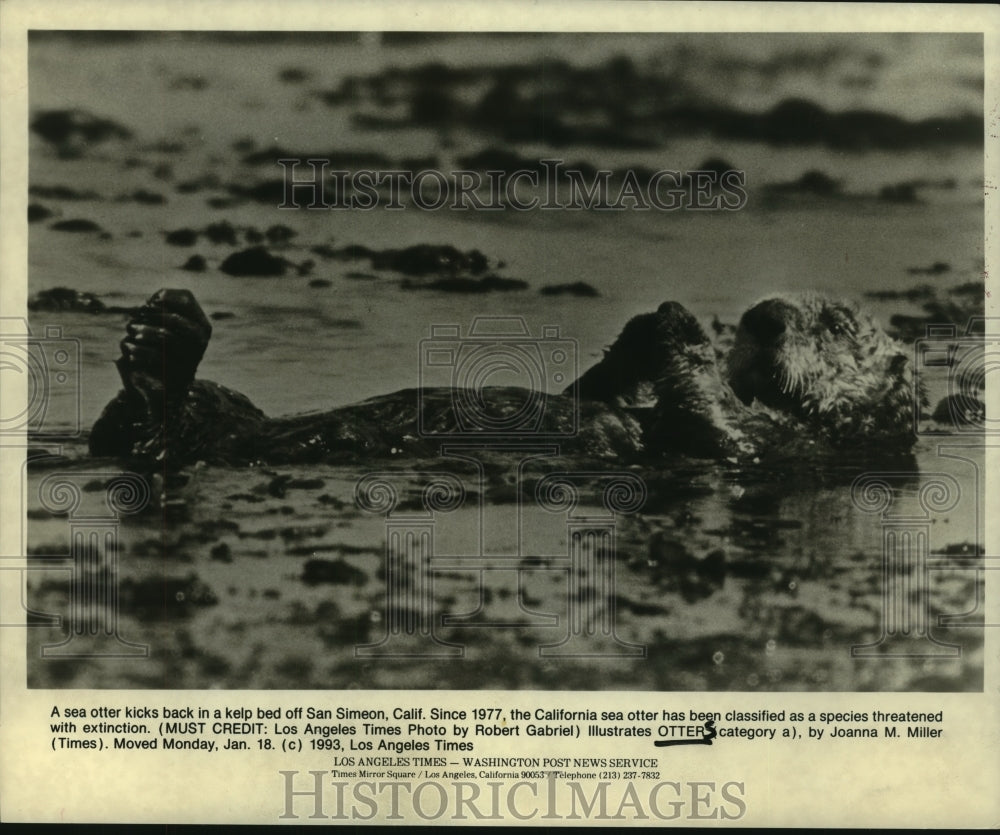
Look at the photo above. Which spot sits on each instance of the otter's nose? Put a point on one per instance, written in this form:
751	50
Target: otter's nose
767	321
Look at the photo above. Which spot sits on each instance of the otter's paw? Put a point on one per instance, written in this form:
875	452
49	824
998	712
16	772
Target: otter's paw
164	342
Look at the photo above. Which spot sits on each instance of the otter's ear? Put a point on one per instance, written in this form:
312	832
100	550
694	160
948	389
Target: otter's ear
898	364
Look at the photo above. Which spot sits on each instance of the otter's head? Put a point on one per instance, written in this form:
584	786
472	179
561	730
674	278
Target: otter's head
828	365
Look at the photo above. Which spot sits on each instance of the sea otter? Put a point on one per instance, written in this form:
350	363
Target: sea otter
801	371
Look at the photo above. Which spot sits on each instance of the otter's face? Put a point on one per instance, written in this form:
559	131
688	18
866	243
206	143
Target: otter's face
825	363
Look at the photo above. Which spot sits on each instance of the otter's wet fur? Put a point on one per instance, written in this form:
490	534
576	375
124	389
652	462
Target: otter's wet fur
803	373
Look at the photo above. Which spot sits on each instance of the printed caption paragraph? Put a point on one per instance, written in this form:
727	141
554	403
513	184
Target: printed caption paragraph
437	737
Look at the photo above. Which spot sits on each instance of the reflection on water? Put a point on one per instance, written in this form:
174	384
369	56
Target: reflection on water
730	580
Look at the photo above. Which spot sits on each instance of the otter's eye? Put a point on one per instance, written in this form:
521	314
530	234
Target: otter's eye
837	323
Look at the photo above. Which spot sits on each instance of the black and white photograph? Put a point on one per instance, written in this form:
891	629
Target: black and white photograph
451	412
506	361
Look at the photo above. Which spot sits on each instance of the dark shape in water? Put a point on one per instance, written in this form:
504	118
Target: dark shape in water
352	631
62	193
576	288
420	261
65	299
222	232
164	597
899	193
505	111
243	145
271	192
64	127
194	83
195	264
430	259
338	160
293	75
961	549
256	261
432	107
306	483
347	253
802	122
937	268
76	225
146	198
813	182
278	486
338	572
623	107
182	237
463	284
973	289
37	212
921	292
695	579
716	165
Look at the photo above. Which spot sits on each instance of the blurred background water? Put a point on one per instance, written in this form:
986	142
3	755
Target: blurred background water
199	104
